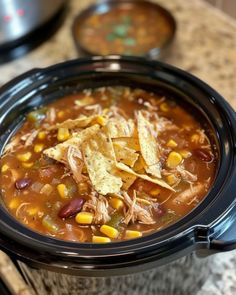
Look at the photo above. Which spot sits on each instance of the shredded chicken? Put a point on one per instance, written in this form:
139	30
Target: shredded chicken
116	112
203	139
98	205
182	172
30	138
101	213
186	175
12	145
135	211
190	193
95	109
51	115
17	141
164	124
75	163
150	107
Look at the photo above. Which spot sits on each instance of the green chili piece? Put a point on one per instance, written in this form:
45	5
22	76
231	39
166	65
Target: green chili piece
50	224
116	219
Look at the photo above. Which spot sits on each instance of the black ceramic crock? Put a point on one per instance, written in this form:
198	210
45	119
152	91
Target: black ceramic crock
205	230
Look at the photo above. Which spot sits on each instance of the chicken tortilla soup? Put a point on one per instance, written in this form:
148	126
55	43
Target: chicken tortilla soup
132	29
116	163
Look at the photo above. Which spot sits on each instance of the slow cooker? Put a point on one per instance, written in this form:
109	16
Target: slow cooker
24	24
208	229
18	18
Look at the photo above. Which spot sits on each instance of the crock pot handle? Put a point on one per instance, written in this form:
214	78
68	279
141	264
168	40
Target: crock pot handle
226	241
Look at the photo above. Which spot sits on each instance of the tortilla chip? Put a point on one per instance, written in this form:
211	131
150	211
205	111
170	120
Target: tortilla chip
120	128
127	178
148	146
139	164
81	122
129	142
160	182
125	155
99	160
58	152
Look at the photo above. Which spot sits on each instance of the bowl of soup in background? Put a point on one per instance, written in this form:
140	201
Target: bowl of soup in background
200	231
139	28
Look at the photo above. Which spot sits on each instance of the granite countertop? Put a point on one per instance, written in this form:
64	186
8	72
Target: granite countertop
205	45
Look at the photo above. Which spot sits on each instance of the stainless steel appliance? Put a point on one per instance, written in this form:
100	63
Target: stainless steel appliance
20	22
20	17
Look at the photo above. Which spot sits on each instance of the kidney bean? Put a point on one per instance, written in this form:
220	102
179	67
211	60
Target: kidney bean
71	208
22	183
203	154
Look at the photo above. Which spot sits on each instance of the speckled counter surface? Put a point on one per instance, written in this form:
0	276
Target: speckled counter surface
205	45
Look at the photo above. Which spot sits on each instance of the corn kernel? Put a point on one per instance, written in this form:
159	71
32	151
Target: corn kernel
171	179
109	231
24	157
32	211
84	217
14	203
164	107
62	190
155	192
41	135
97	239
101	120
132	234
195	138
174	159
116	203
4	168
38	148
60	114
27	165
63	134
171	143
185	154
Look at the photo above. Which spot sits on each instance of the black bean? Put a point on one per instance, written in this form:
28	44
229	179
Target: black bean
71	208
22	183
